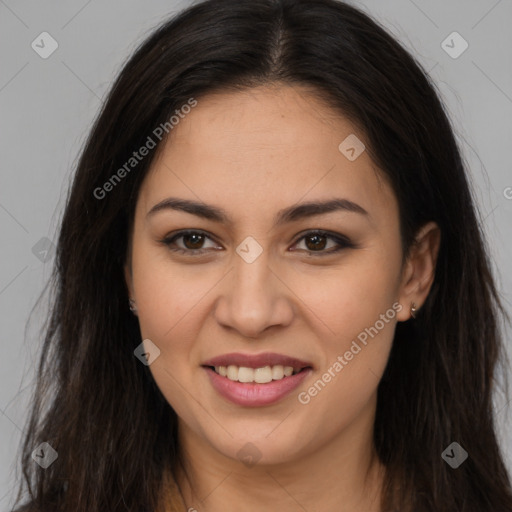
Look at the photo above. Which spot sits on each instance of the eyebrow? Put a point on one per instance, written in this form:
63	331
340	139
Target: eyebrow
286	215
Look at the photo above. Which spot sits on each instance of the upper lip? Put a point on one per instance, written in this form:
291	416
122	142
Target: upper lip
256	360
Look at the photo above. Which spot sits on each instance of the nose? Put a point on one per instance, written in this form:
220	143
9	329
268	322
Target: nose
254	298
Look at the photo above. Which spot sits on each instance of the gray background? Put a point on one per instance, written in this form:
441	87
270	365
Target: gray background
47	106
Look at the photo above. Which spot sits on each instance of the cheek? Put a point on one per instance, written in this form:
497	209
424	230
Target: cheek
358	323
356	311
171	316
168	294
169	313
355	360
350	297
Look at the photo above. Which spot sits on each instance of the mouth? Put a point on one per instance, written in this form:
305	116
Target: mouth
262	375
259	368
256	380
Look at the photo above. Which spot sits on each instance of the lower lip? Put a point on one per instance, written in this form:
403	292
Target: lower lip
251	394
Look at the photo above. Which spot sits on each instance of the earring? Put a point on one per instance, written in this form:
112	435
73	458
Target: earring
133	307
413	310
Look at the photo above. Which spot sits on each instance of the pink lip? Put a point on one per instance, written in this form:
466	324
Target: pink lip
256	361
251	394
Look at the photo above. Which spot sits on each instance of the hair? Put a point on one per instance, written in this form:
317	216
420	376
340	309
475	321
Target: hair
100	409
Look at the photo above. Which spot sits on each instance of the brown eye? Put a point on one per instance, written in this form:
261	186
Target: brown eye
192	243
317	242
193	240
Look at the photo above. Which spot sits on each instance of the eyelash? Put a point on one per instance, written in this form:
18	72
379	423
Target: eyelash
342	241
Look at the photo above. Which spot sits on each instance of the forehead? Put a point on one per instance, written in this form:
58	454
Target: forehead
260	150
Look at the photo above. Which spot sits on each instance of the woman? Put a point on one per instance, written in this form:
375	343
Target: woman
272	291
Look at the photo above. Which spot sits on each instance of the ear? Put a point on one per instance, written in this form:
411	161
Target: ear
128	277
419	269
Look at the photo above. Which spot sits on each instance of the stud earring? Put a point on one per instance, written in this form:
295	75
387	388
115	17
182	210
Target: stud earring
133	307
413	310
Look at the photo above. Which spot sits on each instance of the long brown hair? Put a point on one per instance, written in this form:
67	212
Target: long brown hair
100	409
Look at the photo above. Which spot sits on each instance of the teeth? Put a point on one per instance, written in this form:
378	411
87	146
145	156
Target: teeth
258	375
263	375
277	372
245	374
232	373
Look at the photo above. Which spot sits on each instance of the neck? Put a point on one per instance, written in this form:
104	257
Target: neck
343	475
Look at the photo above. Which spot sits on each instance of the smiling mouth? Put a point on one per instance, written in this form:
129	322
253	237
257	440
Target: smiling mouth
261	375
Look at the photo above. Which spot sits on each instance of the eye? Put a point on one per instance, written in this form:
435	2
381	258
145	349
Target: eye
192	242
316	242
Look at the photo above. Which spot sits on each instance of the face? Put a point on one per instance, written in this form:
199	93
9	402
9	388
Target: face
260	285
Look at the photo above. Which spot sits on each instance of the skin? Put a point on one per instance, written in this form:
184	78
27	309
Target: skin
253	153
